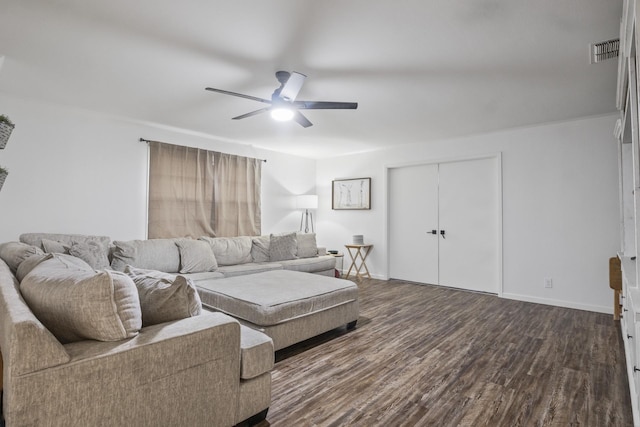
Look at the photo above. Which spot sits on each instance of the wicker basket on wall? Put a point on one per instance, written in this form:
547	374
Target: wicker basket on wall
3	175
6	127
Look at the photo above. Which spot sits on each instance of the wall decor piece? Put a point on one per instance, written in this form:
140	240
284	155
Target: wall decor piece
3	175
6	127
354	193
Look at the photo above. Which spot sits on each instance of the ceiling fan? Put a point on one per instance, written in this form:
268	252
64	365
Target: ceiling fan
283	105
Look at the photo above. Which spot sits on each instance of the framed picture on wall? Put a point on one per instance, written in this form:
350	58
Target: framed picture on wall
354	193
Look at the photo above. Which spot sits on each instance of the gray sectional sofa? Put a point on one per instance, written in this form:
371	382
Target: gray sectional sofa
136	349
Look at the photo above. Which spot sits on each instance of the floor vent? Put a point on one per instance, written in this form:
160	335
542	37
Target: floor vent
605	50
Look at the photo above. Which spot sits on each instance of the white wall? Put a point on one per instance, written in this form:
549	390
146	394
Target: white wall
73	171
560	206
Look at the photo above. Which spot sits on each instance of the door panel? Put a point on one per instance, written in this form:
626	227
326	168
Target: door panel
413	213
469	216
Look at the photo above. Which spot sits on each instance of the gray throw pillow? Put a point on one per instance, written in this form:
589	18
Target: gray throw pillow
90	252
54	247
164	297
13	253
76	303
307	246
283	247
29	264
260	248
196	256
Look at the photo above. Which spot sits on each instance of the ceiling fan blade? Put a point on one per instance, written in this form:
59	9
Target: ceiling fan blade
292	86
226	92
301	120
253	113
325	105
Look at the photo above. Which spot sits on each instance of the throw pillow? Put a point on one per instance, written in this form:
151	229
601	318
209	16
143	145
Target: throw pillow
260	249
307	246
76	303
13	253
91	253
196	256
164	297
283	247
29	264
54	247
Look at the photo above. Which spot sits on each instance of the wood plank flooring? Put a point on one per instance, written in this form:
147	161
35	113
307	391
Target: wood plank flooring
430	356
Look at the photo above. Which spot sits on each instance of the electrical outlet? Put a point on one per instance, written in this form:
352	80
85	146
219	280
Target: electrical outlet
548	282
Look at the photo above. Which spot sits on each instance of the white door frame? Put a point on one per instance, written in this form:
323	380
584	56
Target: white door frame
498	181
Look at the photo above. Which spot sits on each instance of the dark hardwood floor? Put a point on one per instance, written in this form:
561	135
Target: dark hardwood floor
430	356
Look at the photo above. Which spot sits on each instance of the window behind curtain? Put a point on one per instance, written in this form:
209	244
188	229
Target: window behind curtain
195	192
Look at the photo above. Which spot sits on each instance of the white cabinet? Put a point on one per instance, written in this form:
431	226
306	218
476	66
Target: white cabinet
627	133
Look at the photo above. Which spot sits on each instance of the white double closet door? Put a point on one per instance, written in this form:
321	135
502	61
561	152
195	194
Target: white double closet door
445	222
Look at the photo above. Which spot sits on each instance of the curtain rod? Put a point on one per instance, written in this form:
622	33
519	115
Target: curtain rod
148	140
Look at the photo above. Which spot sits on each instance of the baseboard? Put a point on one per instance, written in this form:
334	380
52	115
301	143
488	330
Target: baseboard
560	303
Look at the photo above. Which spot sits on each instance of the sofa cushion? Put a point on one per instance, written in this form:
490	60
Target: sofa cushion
307	246
91	252
164	297
310	265
152	254
260	248
230	250
196	256
275	297
13	253
76	302
283	246
257	354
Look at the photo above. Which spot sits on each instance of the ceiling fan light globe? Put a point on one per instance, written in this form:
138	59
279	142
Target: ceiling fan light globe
282	114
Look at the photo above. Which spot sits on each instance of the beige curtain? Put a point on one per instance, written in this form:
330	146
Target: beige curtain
237	206
194	192
181	191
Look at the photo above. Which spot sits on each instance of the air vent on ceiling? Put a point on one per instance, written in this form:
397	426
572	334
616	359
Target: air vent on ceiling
602	51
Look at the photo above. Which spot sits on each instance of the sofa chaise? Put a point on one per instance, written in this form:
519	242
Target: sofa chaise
202	370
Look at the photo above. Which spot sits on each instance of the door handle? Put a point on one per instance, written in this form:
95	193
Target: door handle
432	232
442	232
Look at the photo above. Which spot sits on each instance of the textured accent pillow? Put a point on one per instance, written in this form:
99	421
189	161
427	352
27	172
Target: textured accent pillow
196	256
77	303
283	246
13	253
307	246
54	247
230	250
29	264
260	249
90	252
164	297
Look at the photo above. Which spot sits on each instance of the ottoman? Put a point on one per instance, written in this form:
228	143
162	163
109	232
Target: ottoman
289	306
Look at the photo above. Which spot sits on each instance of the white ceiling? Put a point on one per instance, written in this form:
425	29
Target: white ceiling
420	70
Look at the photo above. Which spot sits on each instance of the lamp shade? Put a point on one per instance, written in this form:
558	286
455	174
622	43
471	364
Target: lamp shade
307	202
